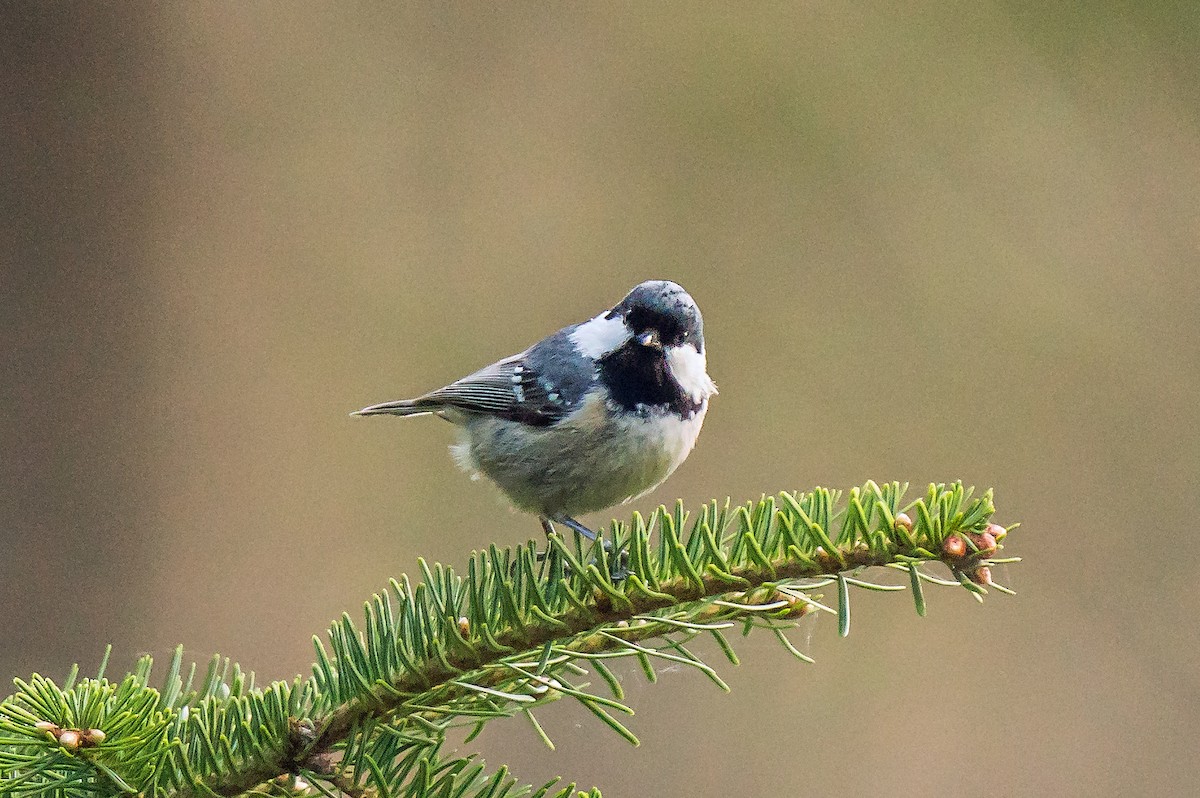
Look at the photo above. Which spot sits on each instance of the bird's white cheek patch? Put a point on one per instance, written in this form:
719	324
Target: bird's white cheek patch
690	370
599	336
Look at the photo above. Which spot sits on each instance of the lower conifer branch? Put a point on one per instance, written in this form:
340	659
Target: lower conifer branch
506	637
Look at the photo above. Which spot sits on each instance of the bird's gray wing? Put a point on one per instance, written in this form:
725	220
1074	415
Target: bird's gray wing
539	386
511	388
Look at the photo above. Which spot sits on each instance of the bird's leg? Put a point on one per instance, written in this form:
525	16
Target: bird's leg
575	525
618	561
547	557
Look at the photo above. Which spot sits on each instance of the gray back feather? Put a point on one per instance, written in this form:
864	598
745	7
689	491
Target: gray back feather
538	386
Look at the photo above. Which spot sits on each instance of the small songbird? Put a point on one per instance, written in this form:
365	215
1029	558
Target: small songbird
594	415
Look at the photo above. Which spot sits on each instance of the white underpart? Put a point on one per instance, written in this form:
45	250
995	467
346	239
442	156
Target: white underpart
690	370
592	459
599	336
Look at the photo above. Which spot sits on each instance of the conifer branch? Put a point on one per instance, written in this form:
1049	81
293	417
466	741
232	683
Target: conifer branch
512	634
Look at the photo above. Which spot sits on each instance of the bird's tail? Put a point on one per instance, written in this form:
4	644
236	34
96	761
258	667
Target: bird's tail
402	407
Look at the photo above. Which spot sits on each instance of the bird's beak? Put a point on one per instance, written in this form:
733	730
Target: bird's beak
649	338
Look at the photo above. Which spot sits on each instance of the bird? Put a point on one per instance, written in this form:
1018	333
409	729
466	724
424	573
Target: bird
592	416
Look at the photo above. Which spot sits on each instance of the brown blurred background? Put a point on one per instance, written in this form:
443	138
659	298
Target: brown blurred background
929	244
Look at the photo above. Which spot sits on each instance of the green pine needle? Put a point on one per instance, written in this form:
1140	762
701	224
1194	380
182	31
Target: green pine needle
511	635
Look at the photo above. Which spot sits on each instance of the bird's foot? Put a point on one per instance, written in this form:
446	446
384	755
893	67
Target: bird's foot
618	560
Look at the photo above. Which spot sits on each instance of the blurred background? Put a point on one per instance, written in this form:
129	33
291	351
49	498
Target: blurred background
931	242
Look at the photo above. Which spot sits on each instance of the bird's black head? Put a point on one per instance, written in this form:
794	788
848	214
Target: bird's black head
659	361
661	313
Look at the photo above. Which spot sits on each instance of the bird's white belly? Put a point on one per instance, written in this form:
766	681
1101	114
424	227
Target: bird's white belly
589	461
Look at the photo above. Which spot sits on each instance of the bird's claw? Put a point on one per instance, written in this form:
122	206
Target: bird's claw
618	561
